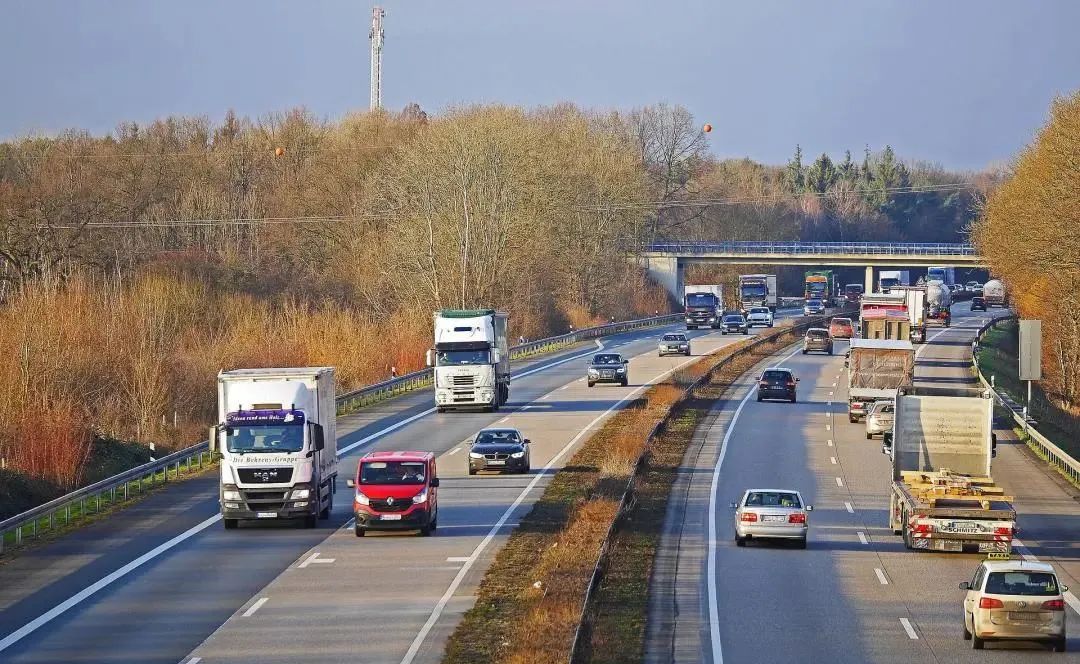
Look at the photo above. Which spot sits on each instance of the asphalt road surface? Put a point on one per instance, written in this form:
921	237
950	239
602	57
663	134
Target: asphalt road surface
153	582
855	595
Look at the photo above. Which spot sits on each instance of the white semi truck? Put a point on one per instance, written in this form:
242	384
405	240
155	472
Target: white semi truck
471	359
994	293
758	290
889	278
943	497
277	437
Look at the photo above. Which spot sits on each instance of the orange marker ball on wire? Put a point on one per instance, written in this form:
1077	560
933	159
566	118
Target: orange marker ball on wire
279	151
707	128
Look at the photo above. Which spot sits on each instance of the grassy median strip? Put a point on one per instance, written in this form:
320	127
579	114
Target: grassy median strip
529	602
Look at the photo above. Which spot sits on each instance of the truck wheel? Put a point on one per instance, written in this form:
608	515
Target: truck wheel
311	521
230	524
359	531
440	409
804	351
325	513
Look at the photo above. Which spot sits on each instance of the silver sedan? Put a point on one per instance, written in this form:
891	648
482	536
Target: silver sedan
771	514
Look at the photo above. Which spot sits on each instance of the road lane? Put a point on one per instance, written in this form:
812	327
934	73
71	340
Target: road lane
856	595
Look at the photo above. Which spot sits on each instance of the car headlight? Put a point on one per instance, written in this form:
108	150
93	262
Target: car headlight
362	499
230	495
420	497
475	455
518	455
594	372
713	319
621	370
300	494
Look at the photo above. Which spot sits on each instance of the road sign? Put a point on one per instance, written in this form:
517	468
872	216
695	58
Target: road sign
1031	350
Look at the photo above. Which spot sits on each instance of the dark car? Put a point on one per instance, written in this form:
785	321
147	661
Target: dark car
608	368
734	323
499	449
817	339
777	383
978	303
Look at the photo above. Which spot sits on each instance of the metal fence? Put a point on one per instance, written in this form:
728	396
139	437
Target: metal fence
584	626
98	497
1054	455
801	248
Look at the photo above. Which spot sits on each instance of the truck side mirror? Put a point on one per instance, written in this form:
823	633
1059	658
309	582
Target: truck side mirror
429	357
496	355
212	439
317	435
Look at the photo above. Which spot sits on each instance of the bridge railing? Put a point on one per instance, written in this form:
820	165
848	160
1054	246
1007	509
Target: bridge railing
101	496
811	248
1054	455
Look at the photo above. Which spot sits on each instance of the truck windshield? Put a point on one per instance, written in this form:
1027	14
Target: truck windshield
456	357
753	290
392	472
701	300
265	438
816	286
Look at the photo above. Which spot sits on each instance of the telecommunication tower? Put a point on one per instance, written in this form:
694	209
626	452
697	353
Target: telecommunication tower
376	36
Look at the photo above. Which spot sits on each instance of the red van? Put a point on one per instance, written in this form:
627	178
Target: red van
396	491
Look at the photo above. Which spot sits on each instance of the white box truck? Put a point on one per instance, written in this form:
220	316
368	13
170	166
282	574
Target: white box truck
943	497
277	437
889	278
471	359
917	310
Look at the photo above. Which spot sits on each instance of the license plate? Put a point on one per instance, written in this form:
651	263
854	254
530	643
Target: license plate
496	462
390	517
1023	616
774	517
267	515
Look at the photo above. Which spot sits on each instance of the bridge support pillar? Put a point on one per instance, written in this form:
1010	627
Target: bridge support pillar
869	286
668	272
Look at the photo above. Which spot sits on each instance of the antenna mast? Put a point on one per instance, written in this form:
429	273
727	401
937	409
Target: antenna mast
376	36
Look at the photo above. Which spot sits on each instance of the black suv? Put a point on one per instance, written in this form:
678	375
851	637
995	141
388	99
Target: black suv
734	323
777	383
978	303
608	368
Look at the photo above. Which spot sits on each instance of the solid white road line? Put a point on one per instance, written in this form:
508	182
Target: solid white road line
849	508
909	629
862	537
839	481
193	660
714	603
454	451
256	606
414	648
458	559
881	576
78	597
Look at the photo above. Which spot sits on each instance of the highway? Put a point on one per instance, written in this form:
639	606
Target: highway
162	581
855	595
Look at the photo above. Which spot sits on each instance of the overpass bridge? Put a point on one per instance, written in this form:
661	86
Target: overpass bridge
667	261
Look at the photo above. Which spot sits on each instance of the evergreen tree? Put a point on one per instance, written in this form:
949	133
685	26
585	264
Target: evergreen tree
821	175
847	169
795	175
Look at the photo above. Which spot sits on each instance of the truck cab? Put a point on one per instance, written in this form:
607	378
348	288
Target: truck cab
471	359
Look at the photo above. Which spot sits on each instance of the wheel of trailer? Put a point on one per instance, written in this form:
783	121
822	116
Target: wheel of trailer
311	521
230	524
908	544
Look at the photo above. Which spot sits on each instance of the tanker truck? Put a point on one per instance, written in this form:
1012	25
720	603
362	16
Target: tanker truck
994	293
938	303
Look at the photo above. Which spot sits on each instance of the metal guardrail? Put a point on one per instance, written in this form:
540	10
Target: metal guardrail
1054	455
584	626
93	498
801	248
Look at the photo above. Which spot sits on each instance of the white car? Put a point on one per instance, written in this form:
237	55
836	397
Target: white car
1014	600
777	514
759	316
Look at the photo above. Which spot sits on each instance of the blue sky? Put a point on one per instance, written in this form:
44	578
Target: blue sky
964	83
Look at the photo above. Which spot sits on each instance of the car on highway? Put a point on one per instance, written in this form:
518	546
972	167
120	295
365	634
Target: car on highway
771	514
608	368
1016	600
813	307
734	323
762	316
777	383
817	339
841	328
674	343
396	491
978	303
879	418
499	449
974	287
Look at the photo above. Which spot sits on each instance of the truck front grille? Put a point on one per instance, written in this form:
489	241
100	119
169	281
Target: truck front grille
264	475
463	380
265	501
